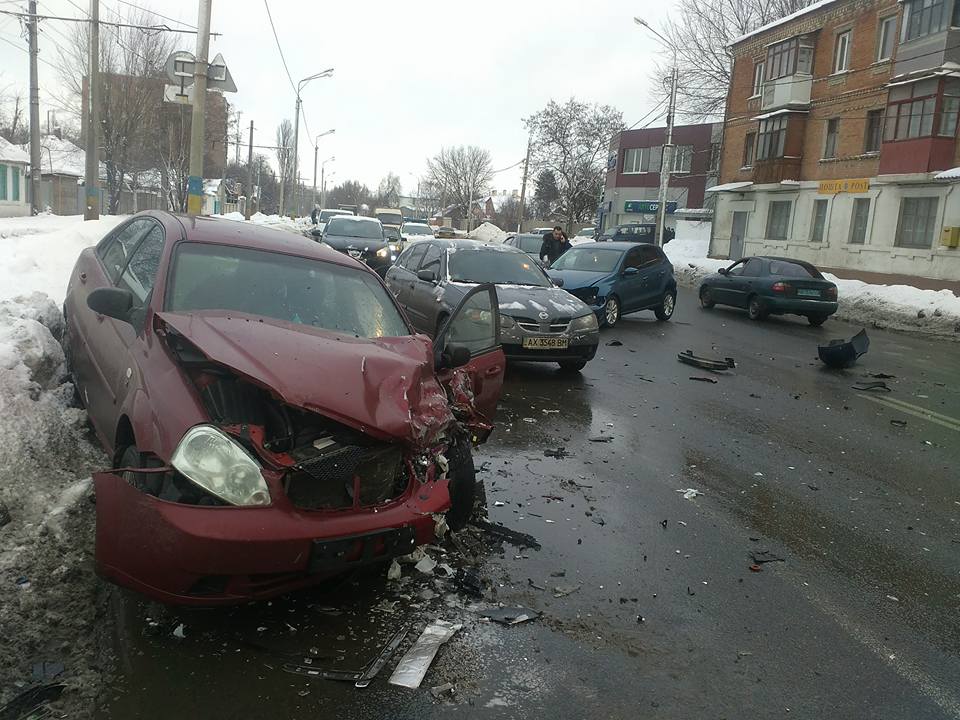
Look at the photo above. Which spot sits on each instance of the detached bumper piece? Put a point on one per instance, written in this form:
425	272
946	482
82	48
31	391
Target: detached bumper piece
844	353
715	364
353	551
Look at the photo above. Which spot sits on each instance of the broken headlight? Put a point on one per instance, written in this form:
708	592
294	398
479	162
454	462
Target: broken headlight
506	322
215	462
584	323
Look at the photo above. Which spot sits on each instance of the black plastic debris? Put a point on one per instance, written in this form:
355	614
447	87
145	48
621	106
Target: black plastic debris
564	590
469	581
558	453
840	353
31	702
704	379
47	670
514	537
5	517
601	438
704	363
899	423
879	385
882	376
534	585
360	678
614	343
760	557
511	615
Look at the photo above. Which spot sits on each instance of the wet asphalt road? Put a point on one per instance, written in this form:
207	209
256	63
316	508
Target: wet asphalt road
860	620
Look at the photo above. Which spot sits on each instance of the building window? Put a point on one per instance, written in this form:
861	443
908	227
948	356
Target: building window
819	220
773	138
3	182
841	53
830	143
886	38
917	218
910	112
715	151
778	219
636	160
874	134
758	78
15	195
682	158
782	59
858	223
922	17
749	145
949	108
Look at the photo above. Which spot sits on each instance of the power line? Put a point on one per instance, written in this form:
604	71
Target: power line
655	108
10	42
279	49
154	12
153	28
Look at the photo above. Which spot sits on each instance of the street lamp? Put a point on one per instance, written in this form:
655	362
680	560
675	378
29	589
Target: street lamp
296	117
323	182
666	163
316	146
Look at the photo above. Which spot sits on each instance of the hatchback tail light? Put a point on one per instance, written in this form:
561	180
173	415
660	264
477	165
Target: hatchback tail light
830	293
782	287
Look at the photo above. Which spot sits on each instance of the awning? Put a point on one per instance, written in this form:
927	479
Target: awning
730	187
951	174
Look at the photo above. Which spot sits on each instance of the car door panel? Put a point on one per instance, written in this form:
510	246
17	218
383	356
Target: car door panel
652	272
722	288
475	324
424	294
742	286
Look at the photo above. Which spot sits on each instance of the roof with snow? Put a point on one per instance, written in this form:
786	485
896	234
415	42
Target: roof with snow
10	153
951	174
729	187
59	156
784	20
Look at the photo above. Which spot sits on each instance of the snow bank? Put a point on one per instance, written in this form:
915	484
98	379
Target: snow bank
39	252
899	307
487	232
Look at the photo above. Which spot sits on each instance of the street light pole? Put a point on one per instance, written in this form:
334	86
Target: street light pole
666	158
198	120
316	147
296	117
323	182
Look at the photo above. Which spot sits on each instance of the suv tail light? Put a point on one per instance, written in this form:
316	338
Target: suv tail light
782	287
830	293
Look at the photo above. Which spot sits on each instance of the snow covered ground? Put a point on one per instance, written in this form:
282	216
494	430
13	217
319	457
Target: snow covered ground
279	221
899	307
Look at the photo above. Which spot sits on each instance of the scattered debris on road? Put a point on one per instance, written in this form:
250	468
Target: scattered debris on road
704	379
761	557
601	438
878	385
469	582
558	453
688	494
614	343
510	615
514	537
564	590
840	353
882	376
704	363
414	664
899	423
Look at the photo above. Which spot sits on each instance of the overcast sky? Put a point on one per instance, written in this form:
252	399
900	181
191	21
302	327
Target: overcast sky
409	77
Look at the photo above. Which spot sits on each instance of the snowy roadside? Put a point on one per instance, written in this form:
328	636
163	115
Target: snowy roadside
898	307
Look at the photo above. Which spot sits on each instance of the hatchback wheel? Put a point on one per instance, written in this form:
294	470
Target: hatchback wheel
706	298
667	305
755	309
463	484
572	365
816	320
611	311
146	482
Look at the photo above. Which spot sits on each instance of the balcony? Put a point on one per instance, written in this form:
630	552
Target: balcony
776	170
790	91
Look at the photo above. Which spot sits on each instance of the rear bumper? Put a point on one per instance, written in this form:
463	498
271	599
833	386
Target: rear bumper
191	555
798	306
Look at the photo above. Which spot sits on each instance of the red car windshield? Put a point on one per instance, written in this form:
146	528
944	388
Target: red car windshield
282	287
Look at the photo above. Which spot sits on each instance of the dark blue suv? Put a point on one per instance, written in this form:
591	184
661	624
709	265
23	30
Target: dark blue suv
636	232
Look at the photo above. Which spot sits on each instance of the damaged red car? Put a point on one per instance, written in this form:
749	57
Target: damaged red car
272	416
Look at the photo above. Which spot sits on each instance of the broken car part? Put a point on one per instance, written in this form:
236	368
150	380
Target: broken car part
760	557
514	537
377	665
844	353
414	664
715	364
704	379
511	615
878	385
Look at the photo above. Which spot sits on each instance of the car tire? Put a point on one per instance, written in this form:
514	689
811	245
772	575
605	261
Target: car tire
706	298
572	365
611	314
149	483
817	320
463	484
755	308
664	311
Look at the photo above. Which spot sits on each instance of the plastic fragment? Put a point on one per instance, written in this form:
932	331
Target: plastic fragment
414	664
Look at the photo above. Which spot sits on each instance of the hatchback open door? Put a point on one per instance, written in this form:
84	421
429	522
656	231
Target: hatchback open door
470	340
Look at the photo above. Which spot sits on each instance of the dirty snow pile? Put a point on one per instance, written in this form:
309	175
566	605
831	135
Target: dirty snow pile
900	307
48	592
39	252
487	232
279	221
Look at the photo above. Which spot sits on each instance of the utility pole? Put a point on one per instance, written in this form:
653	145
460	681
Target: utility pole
666	164
246	210
198	121
523	185
237	143
34	114
91	179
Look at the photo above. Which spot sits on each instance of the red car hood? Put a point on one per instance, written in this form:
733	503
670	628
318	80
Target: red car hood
385	387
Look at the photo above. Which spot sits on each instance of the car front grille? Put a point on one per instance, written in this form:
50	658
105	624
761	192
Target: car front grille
558	326
347	476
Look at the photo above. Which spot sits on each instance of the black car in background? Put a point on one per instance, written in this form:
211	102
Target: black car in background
530	243
772	286
636	232
361	238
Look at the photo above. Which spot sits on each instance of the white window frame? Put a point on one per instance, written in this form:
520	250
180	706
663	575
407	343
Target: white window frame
641	155
779	206
852	238
887	29
826	138
676	156
759	68
841	52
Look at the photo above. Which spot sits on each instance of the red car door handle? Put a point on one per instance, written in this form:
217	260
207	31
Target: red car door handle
495	370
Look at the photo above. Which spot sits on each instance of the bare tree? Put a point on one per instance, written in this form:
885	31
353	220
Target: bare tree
700	33
459	174
349	192
131	67
571	141
388	191
284	153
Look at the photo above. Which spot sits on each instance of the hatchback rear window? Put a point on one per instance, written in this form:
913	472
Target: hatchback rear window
789	269
282	287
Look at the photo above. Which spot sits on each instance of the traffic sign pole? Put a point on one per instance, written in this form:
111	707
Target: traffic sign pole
198	123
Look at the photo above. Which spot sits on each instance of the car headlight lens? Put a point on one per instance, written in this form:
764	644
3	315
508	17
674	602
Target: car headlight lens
506	322
383	252
394	247
584	323
214	461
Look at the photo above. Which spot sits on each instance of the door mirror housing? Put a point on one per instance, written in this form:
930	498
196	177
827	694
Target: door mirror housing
427	276
454	356
113	302
558	282
723	271
627	272
317	232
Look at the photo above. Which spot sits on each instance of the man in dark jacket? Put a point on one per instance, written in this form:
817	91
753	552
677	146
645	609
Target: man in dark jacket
313	215
554	245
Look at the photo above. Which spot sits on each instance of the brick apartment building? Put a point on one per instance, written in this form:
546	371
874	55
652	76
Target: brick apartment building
839	120
633	173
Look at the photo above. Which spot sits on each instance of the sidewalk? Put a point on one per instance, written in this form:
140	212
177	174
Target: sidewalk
873	278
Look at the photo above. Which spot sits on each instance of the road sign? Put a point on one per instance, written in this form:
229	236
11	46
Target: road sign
177	94
219	77
647	207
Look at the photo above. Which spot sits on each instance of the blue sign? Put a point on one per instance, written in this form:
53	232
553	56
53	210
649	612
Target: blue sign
648	207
